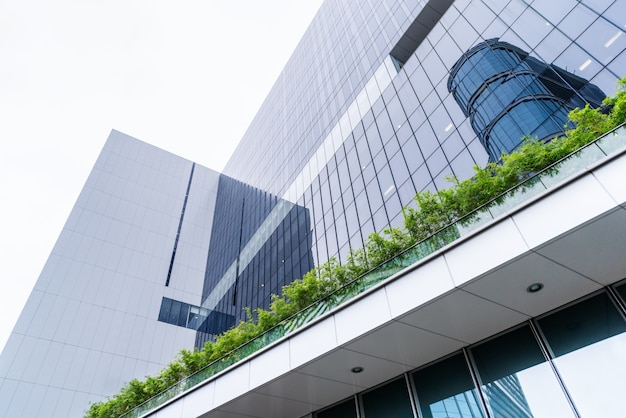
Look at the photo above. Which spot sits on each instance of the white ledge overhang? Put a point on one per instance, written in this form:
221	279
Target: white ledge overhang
571	238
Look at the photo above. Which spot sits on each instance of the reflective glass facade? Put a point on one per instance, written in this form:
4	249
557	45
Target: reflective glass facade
259	244
383	99
359	132
380	100
509	95
566	363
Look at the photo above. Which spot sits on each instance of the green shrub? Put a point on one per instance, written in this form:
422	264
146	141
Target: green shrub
433	211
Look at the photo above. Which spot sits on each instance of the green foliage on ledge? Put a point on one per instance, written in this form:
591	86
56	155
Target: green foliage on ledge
432	212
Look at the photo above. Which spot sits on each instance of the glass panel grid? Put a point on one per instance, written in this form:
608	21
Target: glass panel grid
608	144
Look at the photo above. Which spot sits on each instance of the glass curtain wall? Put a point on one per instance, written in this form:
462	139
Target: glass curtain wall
588	342
446	389
566	363
349	136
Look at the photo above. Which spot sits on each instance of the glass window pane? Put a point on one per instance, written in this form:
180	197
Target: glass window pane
578	326
182	317
621	290
604	39
345	409
589	341
516	379
164	313
445	389
390	400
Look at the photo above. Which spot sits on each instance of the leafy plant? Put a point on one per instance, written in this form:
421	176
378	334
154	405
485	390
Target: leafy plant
433	211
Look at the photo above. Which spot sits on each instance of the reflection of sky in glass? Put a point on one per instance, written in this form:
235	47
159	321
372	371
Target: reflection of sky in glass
587	341
517	380
596	377
463	405
543	393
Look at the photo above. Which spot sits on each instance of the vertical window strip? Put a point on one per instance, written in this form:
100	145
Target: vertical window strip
180	225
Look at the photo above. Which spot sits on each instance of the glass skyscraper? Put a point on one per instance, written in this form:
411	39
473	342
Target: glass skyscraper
380	100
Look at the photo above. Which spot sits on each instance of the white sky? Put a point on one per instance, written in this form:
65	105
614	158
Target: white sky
186	76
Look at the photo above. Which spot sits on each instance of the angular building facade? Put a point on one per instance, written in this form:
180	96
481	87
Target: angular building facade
380	100
92	319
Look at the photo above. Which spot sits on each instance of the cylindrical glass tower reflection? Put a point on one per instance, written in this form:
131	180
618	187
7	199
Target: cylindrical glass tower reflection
509	95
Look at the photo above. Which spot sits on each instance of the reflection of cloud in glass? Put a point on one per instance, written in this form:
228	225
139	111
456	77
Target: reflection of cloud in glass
588	341
543	393
511	367
585	341
596	377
